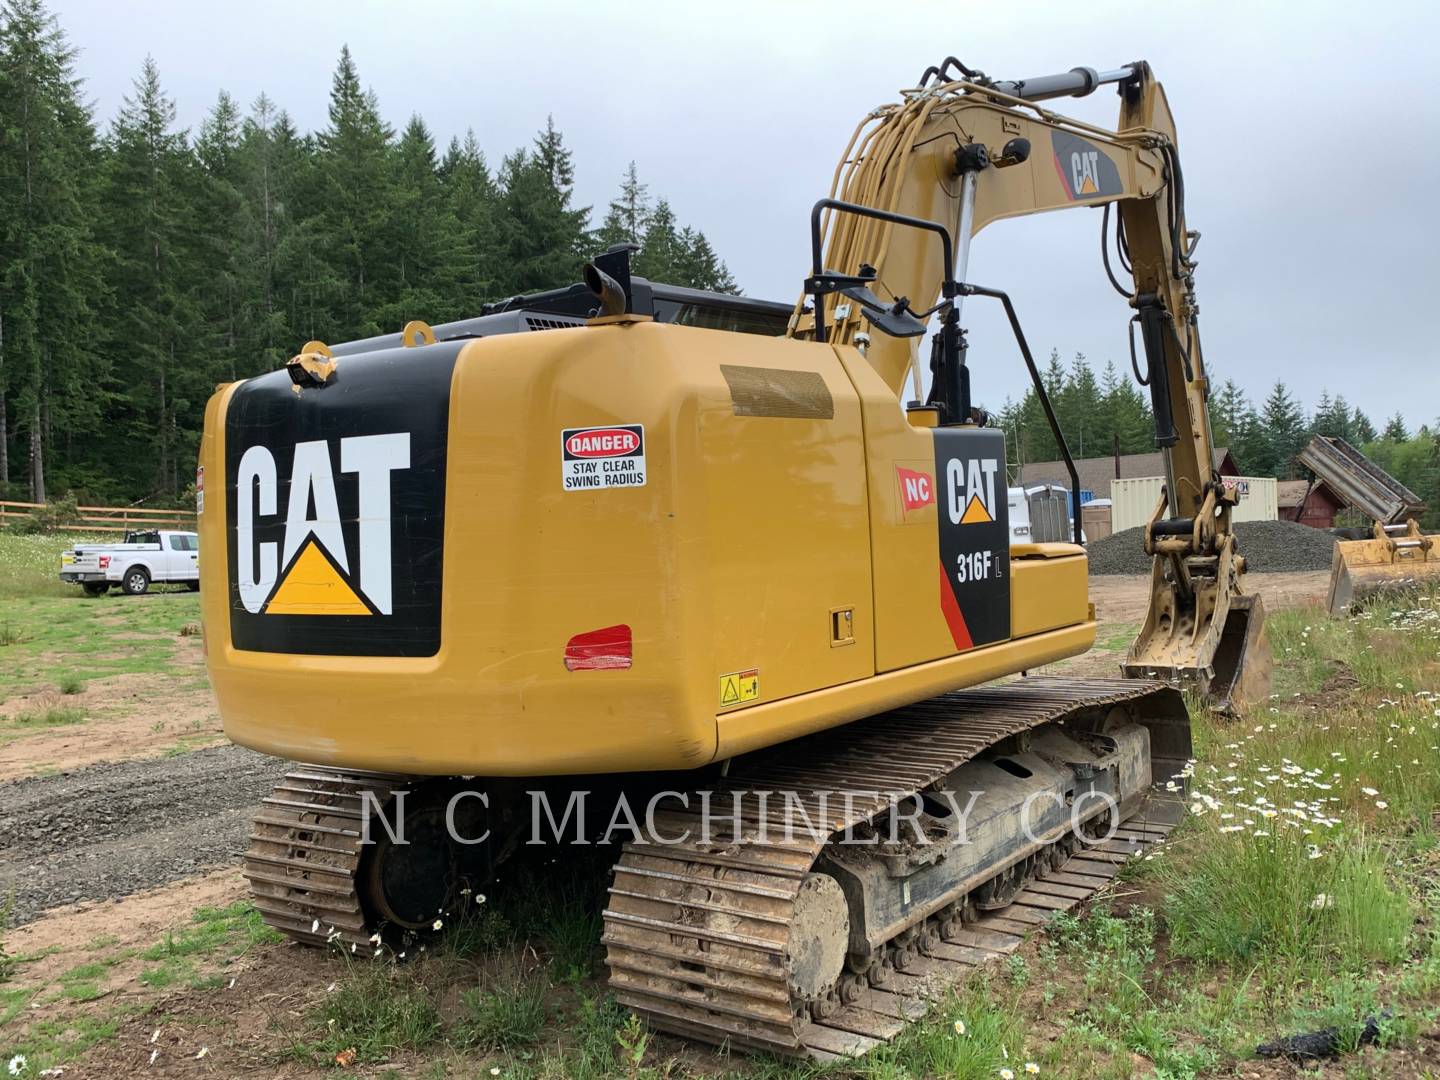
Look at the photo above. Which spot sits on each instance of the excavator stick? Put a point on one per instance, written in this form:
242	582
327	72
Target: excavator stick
1396	558
1202	630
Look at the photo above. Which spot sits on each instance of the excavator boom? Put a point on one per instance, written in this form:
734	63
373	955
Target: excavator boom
971	151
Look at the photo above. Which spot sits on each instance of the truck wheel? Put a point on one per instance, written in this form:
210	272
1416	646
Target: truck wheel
95	588
193	586
136	581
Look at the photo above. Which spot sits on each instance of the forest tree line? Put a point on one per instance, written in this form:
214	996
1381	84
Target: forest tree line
1099	414
142	264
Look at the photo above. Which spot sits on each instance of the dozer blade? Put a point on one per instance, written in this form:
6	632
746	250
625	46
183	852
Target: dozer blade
1227	662
1361	569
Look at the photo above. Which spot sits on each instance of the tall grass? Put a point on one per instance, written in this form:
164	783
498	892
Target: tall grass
506	1014
30	565
1278	899
376	1010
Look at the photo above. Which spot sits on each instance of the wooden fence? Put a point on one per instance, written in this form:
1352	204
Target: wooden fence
104	519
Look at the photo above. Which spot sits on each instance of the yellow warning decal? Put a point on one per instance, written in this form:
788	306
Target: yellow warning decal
315	587
975	513
739	687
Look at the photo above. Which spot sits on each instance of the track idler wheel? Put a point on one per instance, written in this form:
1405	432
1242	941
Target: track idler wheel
819	940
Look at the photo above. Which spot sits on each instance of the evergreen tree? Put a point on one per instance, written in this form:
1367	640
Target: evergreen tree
1395	430
151	230
628	214
1251	446
1362	428
270	161
662	252
472	200
554	160
217	202
49	263
1284	425
541	235
354	272
1333	418
1126	414
1078	407
426	253
1227	409
703	268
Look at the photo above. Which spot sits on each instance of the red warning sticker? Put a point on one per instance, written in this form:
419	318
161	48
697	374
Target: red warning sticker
603	457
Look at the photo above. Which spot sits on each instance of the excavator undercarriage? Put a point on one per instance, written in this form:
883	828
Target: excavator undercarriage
803	903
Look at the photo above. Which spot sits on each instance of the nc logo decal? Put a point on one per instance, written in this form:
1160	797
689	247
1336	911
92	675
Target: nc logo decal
917	490
311	572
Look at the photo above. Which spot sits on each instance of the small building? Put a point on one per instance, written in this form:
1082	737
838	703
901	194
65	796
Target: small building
1312	504
1097	473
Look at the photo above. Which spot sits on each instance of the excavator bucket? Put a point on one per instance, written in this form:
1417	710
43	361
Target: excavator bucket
1202	630
1243	668
1397	558
1228	664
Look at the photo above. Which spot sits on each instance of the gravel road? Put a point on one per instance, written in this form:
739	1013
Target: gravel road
110	830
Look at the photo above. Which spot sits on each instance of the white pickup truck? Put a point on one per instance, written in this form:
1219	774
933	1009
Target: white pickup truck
144	557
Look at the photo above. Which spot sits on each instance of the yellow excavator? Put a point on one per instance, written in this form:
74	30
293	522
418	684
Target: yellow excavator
756	607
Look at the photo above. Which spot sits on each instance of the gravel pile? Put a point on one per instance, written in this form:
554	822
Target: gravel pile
1268	546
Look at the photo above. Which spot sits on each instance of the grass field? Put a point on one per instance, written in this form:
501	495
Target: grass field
53	636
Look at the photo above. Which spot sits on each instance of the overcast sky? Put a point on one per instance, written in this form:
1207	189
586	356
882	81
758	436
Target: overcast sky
1310	135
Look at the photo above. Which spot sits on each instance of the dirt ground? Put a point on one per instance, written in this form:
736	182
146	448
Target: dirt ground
1121	600
171	827
127	717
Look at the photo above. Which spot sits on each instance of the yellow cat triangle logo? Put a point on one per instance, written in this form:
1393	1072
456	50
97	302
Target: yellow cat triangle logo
975	513
315	587
1088	187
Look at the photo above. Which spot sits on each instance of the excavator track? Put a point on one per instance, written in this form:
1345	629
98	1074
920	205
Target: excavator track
304	856
698	933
